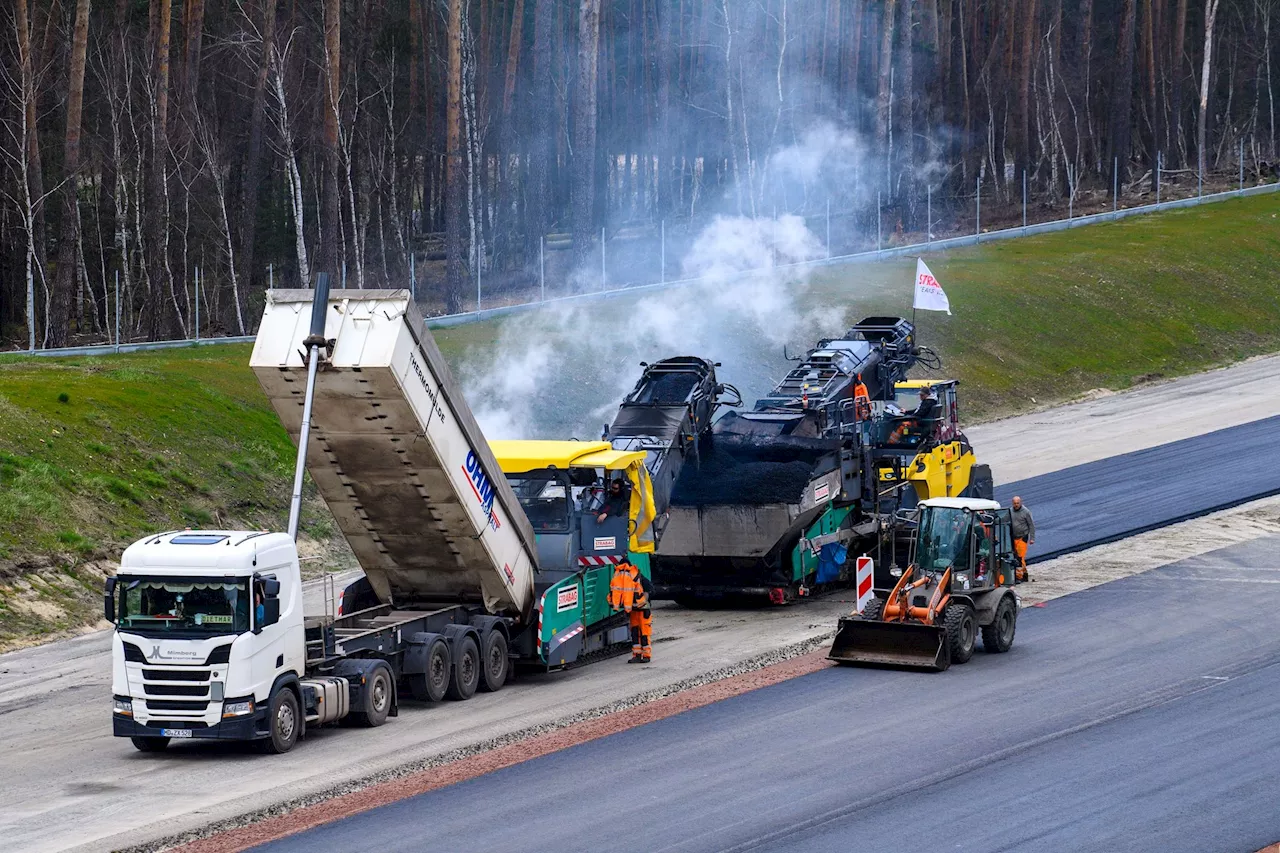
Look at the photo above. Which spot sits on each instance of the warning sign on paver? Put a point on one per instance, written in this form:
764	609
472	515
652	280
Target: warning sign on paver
567	598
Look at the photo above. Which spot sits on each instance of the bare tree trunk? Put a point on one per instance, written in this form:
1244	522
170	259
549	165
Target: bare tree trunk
1022	158
1152	103
455	177
1179	151
157	178
883	117
329	252
253	155
582	187
1122	95
541	122
1210	18
24	144
64	281
293	176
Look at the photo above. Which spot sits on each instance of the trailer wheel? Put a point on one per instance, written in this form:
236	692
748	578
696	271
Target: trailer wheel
375	699
998	636
284	721
465	676
430	686
496	664
962	631
150	744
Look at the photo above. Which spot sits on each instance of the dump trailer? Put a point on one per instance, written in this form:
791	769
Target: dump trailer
775	486
211	640
958	584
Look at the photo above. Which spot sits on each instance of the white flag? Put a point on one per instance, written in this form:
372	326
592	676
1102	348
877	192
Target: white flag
929	294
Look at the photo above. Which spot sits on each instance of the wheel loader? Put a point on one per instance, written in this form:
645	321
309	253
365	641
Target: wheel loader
958	584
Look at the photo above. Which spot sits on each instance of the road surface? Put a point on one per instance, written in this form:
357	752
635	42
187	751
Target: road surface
1113	498
1135	716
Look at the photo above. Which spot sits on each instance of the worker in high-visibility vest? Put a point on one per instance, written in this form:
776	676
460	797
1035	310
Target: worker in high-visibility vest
861	400
629	592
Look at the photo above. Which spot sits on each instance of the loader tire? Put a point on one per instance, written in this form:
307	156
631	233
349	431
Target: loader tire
998	636
872	611
962	631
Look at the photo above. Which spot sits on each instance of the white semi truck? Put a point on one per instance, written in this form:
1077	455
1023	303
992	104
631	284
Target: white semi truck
211	640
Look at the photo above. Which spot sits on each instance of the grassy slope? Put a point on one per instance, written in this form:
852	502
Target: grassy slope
184	437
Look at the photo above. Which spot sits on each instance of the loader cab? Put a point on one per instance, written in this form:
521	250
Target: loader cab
969	536
899	429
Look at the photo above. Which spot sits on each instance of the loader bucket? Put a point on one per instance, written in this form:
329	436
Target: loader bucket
895	644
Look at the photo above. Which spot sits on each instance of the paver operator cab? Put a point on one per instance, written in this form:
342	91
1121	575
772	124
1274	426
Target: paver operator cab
211	640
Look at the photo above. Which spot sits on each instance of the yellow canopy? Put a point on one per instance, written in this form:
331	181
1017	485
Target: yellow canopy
517	457
915	384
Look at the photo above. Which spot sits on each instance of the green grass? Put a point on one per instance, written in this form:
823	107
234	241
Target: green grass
95	452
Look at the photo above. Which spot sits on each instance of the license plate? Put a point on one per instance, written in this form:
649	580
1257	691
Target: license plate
176	732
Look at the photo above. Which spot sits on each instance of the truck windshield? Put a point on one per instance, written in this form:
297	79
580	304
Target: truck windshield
186	607
943	539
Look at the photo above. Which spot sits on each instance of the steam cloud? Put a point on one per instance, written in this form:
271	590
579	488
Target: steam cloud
560	372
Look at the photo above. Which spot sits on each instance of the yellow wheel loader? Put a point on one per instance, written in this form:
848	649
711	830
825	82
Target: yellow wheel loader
959	584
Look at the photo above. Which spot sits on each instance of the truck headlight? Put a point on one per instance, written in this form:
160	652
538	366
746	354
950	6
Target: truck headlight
123	706
237	708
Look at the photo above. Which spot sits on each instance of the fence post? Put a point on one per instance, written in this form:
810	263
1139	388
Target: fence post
271	276
479	280
928	227
604	271
117	310
1115	187
1241	165
413	277
1159	168
977	217
1024	202
662	237
197	304
1071	194
878	218
344	275
828	228
542	266
1200	175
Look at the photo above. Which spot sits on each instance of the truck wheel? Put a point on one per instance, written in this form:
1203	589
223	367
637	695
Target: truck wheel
998	636
465	675
962	631
430	686
375	698
871	613
284	721
150	744
493	672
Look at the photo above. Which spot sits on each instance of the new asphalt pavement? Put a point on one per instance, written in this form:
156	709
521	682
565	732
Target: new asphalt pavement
1138	715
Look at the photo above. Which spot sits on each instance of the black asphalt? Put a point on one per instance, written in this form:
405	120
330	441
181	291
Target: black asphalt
1086	505
1137	716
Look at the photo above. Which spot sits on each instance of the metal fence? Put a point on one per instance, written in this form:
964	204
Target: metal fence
665	243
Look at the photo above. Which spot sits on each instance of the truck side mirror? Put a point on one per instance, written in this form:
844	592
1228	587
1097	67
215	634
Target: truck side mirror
271	587
270	612
109	600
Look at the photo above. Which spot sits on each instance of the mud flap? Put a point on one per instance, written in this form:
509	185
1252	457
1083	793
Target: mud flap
896	644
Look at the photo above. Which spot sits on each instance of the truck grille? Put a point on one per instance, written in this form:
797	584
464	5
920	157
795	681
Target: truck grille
171	705
176	689
176	674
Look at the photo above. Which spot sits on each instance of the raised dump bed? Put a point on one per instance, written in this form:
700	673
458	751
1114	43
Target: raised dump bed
396	453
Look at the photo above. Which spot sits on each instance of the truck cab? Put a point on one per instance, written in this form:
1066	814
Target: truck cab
208	626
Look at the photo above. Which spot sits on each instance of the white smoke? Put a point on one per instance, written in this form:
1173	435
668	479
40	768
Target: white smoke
560	371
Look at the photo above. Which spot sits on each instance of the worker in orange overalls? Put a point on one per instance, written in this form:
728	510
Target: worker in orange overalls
861	400
629	592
